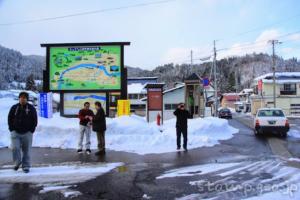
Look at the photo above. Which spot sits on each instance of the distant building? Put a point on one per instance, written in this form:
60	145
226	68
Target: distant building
136	92
228	100
287	92
141	80
197	97
245	94
172	98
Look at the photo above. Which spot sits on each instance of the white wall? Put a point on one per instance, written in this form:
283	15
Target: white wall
173	97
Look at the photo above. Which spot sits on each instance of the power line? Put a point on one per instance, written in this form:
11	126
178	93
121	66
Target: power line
262	27
85	13
256	43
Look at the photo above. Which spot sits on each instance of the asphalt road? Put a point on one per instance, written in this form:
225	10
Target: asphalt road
138	176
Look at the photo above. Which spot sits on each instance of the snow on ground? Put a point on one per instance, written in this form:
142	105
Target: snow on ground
294	159
263	179
64	189
294	133
127	133
54	188
197	170
71	193
277	195
57	174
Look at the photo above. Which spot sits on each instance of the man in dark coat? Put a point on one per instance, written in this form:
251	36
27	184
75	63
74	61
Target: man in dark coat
85	115
22	121
99	126
181	125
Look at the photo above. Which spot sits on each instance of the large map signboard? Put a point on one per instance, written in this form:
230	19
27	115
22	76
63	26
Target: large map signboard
85	68
73	102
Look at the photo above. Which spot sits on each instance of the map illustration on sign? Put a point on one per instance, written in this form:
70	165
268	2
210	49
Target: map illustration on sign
73	102
85	68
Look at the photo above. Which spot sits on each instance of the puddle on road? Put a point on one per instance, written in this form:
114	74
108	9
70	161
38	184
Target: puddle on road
122	169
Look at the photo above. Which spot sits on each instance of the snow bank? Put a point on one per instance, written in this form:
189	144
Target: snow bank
127	133
65	174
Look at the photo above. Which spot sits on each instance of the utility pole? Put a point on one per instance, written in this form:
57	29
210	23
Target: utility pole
191	60
274	42
215	79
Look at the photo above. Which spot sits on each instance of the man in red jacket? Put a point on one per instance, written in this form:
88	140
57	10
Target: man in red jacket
85	116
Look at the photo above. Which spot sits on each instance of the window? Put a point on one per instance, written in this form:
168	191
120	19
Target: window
295	109
288	89
133	96
167	106
171	106
142	96
270	113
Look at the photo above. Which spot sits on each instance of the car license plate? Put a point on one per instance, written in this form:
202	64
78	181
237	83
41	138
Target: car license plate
272	122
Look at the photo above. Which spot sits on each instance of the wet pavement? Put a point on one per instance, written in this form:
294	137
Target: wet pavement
138	176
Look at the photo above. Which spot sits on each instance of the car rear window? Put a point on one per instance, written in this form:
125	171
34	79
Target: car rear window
225	110
270	113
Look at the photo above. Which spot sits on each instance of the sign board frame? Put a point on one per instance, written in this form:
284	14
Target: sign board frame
123	88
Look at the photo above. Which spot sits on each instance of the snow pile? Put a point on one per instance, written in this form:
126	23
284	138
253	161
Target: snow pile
60	174
127	133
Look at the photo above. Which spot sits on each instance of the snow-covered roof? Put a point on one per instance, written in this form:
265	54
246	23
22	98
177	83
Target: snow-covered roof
179	86
138	78
246	91
230	94
280	77
136	88
175	88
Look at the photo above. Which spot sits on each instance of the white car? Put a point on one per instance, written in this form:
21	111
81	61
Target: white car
271	120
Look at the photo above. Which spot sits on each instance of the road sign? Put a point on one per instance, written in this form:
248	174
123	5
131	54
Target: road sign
45	105
205	82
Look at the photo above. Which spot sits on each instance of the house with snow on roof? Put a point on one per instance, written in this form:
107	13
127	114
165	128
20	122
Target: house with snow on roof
228	100
287	93
136	92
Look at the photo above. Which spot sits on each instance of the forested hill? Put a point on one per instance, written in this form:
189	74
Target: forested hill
240	69
16	67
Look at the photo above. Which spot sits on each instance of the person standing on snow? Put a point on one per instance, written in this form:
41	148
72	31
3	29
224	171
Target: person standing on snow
181	125
85	116
22	121
99	126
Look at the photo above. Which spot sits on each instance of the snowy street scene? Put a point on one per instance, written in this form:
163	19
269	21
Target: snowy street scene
149	99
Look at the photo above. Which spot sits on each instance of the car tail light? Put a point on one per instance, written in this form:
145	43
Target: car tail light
257	122
287	124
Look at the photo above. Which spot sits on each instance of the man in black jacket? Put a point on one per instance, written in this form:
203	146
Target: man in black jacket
181	125
22	121
99	126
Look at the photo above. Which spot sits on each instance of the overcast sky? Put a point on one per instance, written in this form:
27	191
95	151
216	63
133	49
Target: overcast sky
159	33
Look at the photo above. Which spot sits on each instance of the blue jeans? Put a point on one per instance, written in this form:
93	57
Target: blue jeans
21	143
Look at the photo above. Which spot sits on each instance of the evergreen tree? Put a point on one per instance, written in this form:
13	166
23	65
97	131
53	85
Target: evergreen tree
30	84
231	82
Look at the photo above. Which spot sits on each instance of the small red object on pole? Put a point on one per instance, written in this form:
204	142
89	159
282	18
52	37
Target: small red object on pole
158	118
